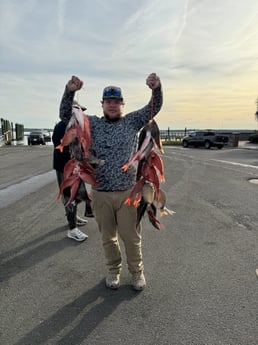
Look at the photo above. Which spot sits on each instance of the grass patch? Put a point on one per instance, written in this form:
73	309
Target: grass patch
172	142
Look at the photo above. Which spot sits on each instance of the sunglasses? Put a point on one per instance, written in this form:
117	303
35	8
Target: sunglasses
112	91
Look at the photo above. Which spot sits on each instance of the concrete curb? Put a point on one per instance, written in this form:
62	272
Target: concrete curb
247	145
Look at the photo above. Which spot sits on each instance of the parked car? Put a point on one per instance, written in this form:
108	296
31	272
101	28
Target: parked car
47	136
253	138
36	138
207	139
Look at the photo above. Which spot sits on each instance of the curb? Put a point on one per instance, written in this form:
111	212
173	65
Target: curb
247	145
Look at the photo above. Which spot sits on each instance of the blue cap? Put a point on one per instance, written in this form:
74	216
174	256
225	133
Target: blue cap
112	92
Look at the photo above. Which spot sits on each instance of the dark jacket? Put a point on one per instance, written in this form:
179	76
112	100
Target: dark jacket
60	158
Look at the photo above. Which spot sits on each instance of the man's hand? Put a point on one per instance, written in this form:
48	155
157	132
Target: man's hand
74	84
153	81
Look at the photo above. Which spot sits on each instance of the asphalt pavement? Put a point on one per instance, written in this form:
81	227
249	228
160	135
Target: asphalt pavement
200	268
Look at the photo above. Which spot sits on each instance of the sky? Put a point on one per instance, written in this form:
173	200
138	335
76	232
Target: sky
204	51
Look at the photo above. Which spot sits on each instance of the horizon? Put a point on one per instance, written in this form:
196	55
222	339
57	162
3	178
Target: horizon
28	129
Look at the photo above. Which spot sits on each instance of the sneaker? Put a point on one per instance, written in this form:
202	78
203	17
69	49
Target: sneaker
138	281
81	221
113	280
77	235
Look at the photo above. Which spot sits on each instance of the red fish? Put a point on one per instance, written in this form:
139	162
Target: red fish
146	192
74	174
79	169
69	136
135	195
160	204
78	127
69	168
155	160
140	153
153	128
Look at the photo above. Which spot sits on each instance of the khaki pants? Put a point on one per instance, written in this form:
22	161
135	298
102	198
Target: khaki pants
115	218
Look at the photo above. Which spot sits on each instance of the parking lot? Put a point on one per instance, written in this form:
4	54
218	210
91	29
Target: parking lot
200	268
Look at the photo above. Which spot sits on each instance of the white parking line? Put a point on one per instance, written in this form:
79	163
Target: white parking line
234	163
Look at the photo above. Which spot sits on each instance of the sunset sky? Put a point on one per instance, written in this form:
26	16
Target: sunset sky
205	52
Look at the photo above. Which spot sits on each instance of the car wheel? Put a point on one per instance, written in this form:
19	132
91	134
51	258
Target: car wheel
207	144
185	143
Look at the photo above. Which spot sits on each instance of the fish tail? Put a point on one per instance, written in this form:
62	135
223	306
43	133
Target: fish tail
154	221
162	178
165	211
136	203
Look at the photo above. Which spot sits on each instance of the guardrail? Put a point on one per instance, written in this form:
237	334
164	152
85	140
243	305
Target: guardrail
8	137
1	140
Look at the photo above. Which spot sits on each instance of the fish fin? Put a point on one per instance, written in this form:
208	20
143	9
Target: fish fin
165	211
73	191
162	178
125	167
60	148
128	201
136	203
154	221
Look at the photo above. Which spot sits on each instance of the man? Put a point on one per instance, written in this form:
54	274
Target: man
59	161
113	140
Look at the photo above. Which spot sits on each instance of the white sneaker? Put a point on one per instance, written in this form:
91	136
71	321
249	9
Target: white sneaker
113	280
138	281
77	235
81	221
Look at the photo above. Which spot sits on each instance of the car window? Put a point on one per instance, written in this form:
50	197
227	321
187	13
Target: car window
208	133
36	133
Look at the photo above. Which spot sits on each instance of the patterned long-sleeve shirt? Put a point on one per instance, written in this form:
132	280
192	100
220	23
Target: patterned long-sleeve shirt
114	141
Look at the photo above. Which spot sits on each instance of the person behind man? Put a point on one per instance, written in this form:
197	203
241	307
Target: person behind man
59	161
114	138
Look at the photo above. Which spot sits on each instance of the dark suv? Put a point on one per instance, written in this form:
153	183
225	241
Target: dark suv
207	139
36	138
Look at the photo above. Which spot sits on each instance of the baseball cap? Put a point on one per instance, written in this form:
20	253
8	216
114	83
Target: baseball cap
112	92
76	104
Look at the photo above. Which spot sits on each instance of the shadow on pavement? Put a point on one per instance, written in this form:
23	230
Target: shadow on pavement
89	318
21	258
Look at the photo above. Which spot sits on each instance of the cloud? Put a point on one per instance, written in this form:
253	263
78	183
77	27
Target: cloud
183	25
60	16
196	47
